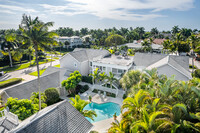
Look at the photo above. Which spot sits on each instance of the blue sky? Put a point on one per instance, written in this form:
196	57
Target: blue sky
94	14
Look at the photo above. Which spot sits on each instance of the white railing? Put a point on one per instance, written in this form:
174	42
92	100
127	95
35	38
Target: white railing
10	116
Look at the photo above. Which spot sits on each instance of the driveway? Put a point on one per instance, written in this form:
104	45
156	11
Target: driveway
24	73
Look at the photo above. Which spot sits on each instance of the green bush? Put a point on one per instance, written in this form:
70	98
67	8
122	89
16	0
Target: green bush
85	87
87	79
190	66
52	96
22	108
196	73
124	96
10	82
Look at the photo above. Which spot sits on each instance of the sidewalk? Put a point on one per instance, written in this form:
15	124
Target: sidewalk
24	73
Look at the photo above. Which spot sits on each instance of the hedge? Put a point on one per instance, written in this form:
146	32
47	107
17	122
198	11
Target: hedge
87	79
10	82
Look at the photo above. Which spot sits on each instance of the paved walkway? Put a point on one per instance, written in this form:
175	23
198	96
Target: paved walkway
24	73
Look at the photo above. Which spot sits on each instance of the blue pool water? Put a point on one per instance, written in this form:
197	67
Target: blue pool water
103	111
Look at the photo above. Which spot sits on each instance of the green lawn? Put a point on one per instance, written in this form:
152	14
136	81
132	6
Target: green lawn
41	71
25	65
10	82
35	73
57	65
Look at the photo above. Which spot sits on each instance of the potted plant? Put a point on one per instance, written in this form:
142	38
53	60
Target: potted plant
115	116
90	98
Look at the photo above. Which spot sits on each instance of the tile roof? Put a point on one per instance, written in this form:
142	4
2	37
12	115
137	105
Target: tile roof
146	59
24	90
158	41
58	118
83	54
176	62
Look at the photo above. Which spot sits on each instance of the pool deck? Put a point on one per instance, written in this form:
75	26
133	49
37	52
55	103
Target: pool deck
104	125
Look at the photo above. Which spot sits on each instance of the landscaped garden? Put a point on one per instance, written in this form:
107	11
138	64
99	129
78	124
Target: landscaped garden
158	104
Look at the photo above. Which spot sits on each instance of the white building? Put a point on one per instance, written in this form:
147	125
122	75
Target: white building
87	60
73	41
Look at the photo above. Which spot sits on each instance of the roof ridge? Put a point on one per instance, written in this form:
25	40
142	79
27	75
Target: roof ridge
179	66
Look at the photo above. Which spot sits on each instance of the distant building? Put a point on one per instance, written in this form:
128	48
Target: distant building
73	41
158	41
138	45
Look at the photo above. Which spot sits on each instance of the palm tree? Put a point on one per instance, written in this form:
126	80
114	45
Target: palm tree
148	122
8	44
146	46
118	127
79	104
95	75
166	44
175	30
30	51
35	33
193	44
133	105
111	78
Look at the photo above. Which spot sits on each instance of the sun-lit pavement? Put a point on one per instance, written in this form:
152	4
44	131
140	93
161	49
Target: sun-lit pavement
24	73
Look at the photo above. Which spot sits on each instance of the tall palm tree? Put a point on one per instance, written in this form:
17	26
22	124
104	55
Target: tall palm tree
111	78
146	46
95	75
30	51
193	40
79	104
166	45
175	30
8	44
35	33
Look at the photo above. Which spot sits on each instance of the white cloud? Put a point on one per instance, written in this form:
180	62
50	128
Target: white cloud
12	8
119	9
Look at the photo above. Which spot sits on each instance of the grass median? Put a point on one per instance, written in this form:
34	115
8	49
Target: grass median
25	65
10	82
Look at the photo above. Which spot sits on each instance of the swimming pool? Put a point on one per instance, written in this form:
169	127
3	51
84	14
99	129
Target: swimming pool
103	111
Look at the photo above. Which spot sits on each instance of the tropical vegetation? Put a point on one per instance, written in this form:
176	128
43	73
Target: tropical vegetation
158	104
79	104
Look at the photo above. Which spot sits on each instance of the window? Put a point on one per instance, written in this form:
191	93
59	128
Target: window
91	64
114	70
75	64
120	71
104	69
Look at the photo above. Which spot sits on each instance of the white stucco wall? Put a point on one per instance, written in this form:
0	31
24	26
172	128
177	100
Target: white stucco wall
169	71
68	62
85	68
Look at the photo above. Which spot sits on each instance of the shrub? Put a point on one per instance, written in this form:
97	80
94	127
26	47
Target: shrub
22	108
124	96
190	66
87	79
85	87
196	73
52	96
10	82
